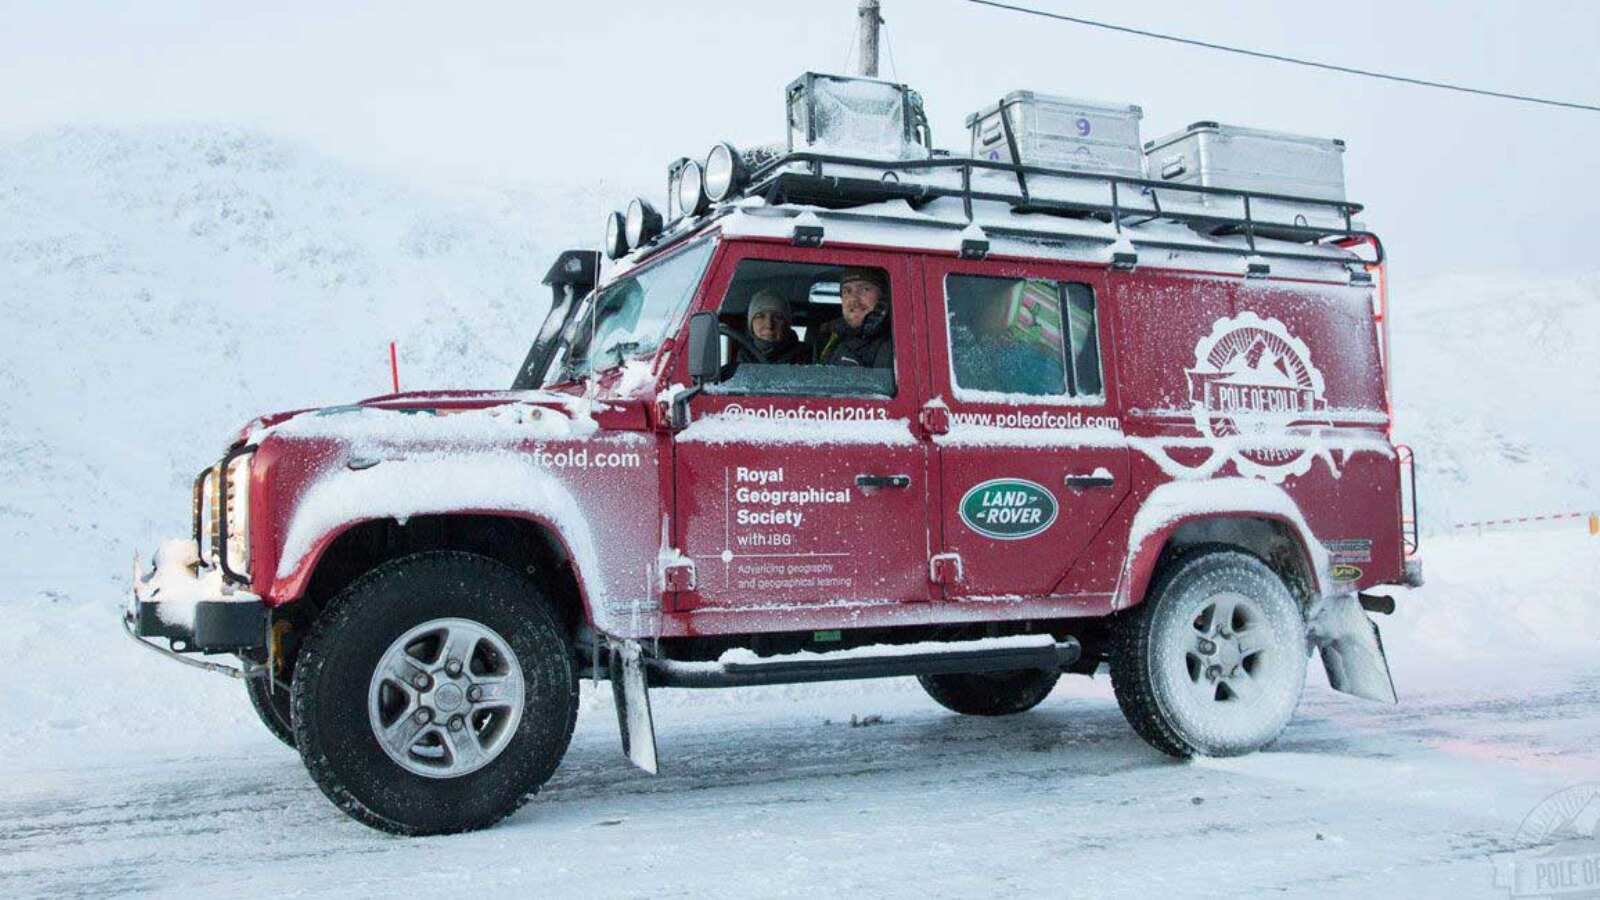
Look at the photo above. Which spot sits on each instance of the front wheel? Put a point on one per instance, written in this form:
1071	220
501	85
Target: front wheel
435	695
1214	661
271	703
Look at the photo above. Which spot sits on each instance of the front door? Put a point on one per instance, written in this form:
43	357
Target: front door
800	484
1034	462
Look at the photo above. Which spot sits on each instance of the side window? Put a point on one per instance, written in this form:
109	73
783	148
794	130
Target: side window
807	329
1022	336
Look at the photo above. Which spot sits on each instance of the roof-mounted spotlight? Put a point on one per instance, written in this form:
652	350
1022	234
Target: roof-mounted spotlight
725	172
692	199
642	224
616	236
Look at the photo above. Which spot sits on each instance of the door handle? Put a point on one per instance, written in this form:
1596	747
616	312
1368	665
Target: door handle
1097	479
883	481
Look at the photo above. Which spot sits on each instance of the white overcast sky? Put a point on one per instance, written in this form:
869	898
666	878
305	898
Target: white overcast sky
583	91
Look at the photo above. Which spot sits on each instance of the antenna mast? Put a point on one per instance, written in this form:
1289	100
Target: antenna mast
867	28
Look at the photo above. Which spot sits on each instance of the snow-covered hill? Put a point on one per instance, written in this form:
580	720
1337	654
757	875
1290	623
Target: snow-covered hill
160	286
1497	386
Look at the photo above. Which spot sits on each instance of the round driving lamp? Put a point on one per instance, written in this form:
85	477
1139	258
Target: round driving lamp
692	199
616	242
642	224
724	173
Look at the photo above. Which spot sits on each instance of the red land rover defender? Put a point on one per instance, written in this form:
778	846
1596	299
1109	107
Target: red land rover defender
845	411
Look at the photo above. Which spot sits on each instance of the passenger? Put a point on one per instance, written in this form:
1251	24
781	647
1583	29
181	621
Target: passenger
768	324
861	336
991	356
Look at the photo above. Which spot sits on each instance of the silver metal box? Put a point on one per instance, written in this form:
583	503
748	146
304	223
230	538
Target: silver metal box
1210	154
859	117
1059	132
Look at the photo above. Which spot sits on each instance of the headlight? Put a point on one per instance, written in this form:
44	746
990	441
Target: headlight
237	508
692	200
724	172
205	513
643	223
616	240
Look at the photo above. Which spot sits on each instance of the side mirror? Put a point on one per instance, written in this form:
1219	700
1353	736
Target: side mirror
705	348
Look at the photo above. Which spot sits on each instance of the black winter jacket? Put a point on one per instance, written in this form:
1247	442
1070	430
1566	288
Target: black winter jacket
870	346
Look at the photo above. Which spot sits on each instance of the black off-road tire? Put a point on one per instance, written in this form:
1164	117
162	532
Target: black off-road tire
272	706
990	694
1157	711
333	676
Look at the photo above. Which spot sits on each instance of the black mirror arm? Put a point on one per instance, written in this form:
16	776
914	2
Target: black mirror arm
678	412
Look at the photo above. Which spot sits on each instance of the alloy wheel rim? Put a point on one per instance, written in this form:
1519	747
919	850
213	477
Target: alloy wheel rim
445	698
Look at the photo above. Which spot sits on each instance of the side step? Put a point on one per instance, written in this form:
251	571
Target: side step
741	668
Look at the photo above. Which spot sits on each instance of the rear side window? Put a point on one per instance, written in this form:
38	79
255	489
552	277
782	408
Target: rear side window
1022	336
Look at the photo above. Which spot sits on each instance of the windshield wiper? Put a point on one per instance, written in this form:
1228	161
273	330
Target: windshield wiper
623	349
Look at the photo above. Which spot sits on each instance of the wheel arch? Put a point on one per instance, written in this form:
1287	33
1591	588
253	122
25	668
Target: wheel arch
1273	531
519	540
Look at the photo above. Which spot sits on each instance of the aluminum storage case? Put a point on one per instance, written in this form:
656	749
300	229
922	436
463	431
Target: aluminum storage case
1210	154
1033	129
863	118
1060	133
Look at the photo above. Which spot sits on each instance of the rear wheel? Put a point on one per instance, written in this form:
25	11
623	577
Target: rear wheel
990	694
435	695
1214	661
271	704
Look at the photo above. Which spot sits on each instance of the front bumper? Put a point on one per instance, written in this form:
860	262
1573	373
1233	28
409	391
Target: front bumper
191	608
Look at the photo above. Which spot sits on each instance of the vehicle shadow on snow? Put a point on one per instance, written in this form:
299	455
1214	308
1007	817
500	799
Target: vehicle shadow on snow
1062	737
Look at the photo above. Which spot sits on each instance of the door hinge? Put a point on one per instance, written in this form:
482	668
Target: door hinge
678	576
945	568
935	418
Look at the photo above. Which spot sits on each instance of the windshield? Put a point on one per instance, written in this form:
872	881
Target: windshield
630	317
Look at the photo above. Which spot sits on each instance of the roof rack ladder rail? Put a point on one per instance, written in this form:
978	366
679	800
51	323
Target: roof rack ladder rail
1249	224
966	189
1016	153
1155	201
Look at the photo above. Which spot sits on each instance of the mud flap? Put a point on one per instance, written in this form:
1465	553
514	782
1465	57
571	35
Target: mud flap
1352	649
633	704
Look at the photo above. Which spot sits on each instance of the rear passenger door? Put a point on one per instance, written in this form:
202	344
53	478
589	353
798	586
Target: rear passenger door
1034	462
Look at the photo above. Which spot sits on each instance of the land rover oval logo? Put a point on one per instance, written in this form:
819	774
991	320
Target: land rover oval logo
1008	509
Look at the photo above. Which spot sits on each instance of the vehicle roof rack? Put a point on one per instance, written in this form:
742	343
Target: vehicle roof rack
841	182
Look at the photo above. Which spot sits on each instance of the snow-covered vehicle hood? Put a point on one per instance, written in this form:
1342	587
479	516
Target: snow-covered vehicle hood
465	410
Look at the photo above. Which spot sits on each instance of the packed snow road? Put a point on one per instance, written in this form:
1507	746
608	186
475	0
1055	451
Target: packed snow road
127	774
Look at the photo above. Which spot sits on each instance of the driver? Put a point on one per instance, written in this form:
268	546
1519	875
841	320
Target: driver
861	335
767	321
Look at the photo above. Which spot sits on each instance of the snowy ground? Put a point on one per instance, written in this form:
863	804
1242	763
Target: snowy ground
148	777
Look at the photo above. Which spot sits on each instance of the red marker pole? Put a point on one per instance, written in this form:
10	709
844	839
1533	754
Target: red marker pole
394	367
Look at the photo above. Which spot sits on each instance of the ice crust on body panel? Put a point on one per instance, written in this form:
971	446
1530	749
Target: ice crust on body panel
442	483
375	425
721	428
1177	500
968	435
745	656
1333	446
636	374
